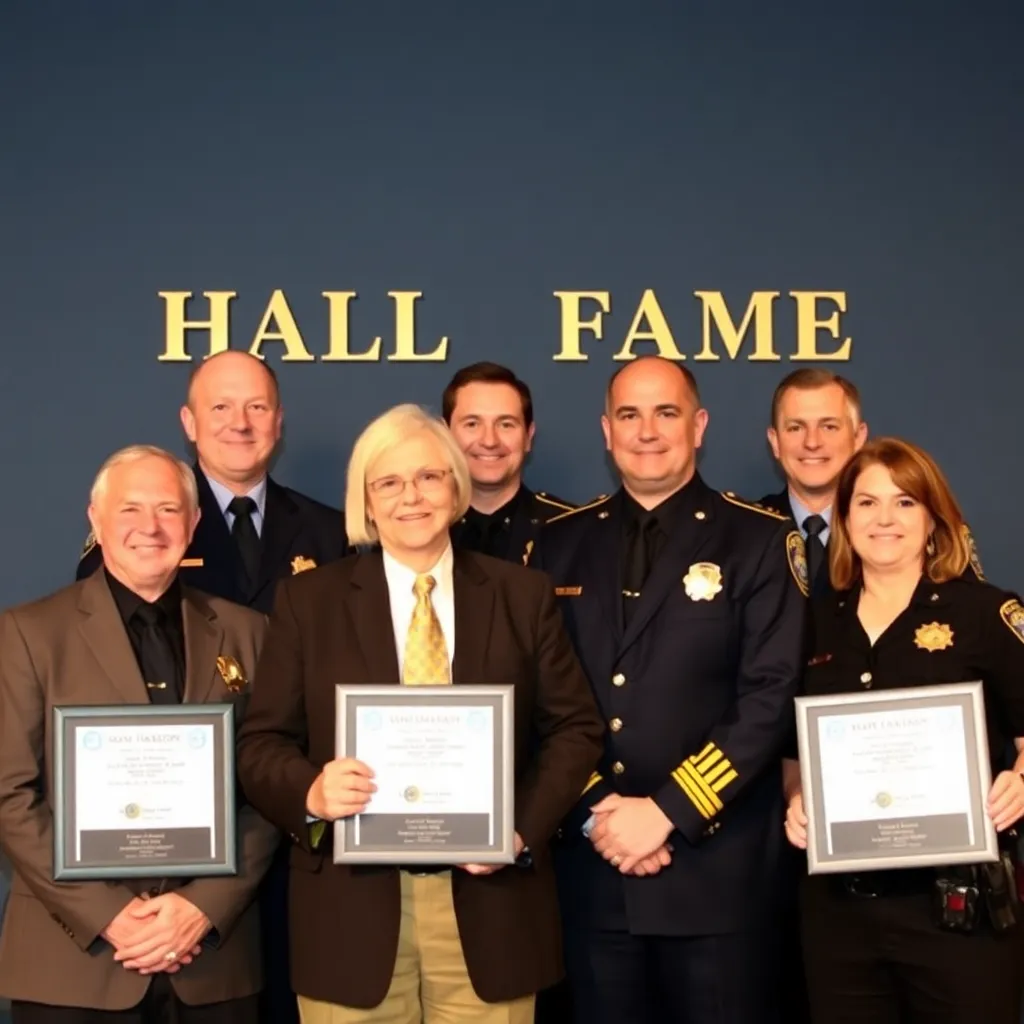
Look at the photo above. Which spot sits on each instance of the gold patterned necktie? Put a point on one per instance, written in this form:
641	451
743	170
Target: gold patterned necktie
426	654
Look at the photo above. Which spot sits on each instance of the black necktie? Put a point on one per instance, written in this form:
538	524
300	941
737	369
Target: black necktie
247	540
639	554
814	525
157	661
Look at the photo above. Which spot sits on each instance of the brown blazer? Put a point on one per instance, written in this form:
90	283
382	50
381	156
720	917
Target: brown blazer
334	626
69	649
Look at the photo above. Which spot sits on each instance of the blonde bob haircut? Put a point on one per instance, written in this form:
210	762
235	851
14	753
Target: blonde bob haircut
393	427
136	453
916	474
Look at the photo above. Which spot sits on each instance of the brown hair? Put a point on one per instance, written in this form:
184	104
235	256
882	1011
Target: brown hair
810	379
915	473
485	373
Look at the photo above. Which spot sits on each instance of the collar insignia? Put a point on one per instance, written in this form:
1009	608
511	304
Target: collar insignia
933	636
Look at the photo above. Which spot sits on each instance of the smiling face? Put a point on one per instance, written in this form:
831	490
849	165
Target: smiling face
653	427
411	499
489	426
144	522
815	433
888	528
233	417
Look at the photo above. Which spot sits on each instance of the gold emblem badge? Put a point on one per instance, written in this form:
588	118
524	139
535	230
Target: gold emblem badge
231	672
132	811
411	794
302	564
883	800
796	555
703	581
933	636
1012	613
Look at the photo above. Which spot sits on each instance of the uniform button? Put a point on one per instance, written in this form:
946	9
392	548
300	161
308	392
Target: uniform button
616	724
865	677
935	597
618	679
618	767
698	515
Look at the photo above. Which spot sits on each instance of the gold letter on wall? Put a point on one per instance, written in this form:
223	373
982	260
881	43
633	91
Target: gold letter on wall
287	331
175	324
572	326
759	309
659	332
339	350
405	332
808	325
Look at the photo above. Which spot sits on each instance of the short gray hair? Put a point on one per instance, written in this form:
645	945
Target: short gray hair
387	430
136	453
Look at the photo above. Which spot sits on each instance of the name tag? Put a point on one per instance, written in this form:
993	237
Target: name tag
568	591
191	563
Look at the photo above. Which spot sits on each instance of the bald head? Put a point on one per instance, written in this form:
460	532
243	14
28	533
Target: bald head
233	417
659	368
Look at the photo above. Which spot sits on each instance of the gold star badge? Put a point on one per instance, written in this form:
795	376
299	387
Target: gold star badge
231	672
703	581
933	636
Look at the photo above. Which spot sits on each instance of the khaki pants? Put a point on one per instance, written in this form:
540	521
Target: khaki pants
430	984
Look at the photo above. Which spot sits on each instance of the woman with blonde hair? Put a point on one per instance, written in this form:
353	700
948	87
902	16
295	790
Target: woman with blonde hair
900	615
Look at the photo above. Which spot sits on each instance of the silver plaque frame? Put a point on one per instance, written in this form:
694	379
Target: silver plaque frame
143	852
898	841
411	839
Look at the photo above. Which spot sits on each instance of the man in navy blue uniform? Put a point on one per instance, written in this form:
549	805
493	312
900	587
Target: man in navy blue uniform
687	609
252	532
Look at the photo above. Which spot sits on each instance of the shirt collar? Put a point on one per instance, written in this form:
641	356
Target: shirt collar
400	578
667	512
128	602
223	496
499	515
801	512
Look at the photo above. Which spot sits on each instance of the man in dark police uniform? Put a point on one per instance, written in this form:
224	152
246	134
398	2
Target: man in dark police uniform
252	532
687	609
490	413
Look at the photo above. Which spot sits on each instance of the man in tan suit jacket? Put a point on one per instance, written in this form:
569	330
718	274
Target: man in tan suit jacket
179	950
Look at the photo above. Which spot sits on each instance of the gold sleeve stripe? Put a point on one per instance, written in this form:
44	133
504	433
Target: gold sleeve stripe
582	508
704	753
702	787
594	779
706	810
715	755
724	781
718	770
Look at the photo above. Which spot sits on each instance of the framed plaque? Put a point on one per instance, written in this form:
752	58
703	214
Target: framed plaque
443	764
896	779
144	791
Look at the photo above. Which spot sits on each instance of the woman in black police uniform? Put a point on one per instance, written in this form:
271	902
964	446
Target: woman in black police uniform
900	615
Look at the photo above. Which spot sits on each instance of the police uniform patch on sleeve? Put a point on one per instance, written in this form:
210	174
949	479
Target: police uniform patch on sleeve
972	551
90	543
796	555
1012	613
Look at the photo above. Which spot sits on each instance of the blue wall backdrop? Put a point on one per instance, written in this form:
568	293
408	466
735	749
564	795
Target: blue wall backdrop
489	156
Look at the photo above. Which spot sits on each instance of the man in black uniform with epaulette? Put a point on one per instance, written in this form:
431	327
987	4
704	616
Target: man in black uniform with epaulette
252	532
687	610
490	413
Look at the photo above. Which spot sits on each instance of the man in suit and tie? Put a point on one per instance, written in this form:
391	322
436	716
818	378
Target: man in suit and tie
686	607
252	533
405	943
137	951
490	413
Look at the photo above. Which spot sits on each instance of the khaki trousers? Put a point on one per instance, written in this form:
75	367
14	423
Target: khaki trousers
430	984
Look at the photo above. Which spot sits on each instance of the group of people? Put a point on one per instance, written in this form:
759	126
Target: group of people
655	640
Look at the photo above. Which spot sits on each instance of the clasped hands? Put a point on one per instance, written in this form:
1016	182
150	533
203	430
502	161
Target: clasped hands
345	786
631	833
162	933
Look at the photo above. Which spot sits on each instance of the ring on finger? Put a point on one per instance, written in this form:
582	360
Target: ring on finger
171	955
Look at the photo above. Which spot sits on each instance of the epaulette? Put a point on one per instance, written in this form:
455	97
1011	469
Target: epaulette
557	502
90	543
752	505
583	508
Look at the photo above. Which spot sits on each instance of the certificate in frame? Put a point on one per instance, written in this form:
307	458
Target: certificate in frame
896	778
444	766
144	791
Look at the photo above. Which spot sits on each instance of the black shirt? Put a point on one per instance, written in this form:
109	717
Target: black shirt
665	515
490	533
173	629
955	632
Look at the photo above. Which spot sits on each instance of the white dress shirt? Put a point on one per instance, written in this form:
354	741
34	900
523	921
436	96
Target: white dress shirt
224	498
400	580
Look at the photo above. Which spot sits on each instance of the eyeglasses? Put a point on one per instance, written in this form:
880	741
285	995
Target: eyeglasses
426	481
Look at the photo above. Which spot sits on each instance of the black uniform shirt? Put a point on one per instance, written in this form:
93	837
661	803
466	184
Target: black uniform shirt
490	533
955	632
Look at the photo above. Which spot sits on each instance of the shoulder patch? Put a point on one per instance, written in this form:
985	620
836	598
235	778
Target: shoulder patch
796	555
90	543
752	505
583	508
972	551
556	502
1012	613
